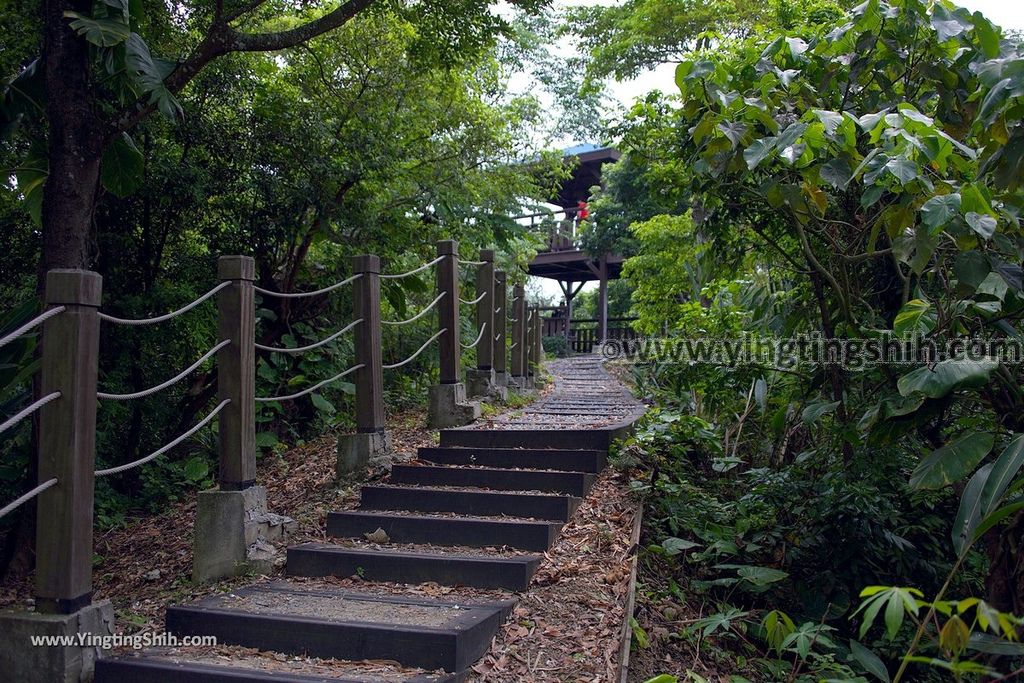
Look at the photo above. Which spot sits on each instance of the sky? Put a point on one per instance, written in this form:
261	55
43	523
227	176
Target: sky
1007	13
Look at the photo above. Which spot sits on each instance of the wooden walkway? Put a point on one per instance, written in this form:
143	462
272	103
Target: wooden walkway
476	512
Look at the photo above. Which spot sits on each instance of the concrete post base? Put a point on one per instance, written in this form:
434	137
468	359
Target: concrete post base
484	383
479	382
448	406
20	660
521	384
234	534
355	451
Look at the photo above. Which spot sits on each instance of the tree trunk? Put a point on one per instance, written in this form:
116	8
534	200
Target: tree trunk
1004	585
75	144
75	141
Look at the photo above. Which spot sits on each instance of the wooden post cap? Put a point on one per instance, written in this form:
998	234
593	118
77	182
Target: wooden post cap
366	263
487	255
236	268
74	287
447	248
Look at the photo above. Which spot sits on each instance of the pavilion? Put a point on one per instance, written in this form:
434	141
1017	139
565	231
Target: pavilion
563	260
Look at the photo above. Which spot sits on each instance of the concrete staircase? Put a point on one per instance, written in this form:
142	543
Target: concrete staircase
478	512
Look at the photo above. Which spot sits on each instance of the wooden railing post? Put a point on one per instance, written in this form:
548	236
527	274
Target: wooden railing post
448	310
531	333
485	311
501	314
537	351
446	402
67	443
371	437
236	372
369	379
518	341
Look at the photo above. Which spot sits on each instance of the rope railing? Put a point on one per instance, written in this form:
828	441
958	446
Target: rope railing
233	361
310	390
27	497
303	349
418	315
299	295
398	276
163	449
483	328
160	387
168	316
38	320
28	410
418	351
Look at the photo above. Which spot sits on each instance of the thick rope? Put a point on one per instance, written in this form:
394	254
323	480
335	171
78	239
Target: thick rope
157	453
398	276
18	417
160	387
270	399
474	301
472	263
514	345
43	317
418	315
299	295
27	497
322	342
169	316
483	328
418	351
497	310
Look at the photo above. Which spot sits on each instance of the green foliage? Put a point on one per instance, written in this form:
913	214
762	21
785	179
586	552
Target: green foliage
366	141
624	39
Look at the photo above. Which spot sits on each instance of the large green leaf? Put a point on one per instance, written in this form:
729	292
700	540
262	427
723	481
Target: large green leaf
122	166
101	32
916	317
969	514
759	151
938	211
1004	470
982	224
814	411
150	73
947	24
952	462
946	376
869	661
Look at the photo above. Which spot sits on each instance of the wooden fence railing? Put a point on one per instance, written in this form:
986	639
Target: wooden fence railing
583	332
67	408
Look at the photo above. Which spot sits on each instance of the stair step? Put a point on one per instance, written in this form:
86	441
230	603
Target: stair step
476	503
477	571
150	669
338	624
591	460
473	532
572	483
598	438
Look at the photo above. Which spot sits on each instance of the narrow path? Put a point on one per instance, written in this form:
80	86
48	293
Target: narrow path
473	516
